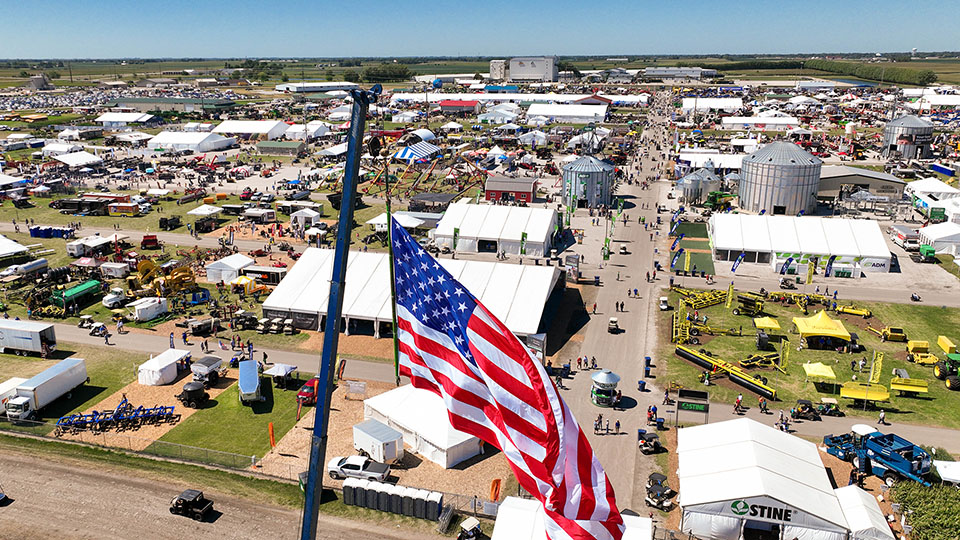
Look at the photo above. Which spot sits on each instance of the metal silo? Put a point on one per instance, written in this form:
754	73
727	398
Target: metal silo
908	136
697	185
780	178
588	182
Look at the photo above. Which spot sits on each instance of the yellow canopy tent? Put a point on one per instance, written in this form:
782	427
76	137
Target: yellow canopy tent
245	282
820	325
820	371
766	323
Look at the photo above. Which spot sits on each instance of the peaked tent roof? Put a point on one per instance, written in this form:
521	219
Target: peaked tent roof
820	324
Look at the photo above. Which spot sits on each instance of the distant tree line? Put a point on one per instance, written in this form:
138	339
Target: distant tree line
385	73
876	72
746	64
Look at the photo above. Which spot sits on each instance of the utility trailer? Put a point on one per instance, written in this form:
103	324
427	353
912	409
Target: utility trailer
22	337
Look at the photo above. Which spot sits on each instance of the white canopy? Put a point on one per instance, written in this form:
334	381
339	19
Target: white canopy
522	519
421	416
78	159
8	247
451	126
533	137
190	140
515	229
754	473
154	192
863	514
228	268
161	369
205	210
405	220
336	150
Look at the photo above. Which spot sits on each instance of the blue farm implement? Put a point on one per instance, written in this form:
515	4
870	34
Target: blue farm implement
124	417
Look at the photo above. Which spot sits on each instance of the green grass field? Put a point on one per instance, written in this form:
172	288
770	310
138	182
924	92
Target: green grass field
921	322
109	370
228	426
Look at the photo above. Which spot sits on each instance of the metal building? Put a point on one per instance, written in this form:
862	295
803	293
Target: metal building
907	136
587	182
780	178
698	184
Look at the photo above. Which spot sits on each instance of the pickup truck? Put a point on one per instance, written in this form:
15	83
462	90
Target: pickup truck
357	467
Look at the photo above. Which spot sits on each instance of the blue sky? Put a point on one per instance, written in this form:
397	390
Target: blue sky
243	28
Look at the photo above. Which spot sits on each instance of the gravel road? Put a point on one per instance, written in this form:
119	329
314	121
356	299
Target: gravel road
79	500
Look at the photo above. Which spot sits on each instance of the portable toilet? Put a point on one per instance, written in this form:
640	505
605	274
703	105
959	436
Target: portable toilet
396	499
407	504
348	491
420	503
434	503
372	490
383	497
360	492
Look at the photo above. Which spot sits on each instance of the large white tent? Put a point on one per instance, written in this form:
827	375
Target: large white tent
516	294
9	248
421	416
741	474
190	140
269	129
522	519
228	268
78	159
943	237
853	244
561	112
863	514
161	369
712	104
517	230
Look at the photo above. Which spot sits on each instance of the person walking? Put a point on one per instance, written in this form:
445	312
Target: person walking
184	337
607	430
594	308
106	338
593	362
883	418
666	397
171	340
616	426
579	363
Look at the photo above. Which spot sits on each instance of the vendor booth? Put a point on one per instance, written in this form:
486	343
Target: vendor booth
604	388
161	369
819	331
243	283
741	479
228	268
522	519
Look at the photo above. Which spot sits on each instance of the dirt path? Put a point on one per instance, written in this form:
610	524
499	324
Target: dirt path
79	500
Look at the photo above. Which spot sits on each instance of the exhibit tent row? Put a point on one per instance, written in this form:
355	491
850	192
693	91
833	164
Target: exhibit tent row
516	294
516	230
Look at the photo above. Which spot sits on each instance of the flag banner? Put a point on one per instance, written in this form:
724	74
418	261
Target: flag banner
686	262
730	295
676	242
675	225
736	263
676	257
495	389
826	272
811	266
786	266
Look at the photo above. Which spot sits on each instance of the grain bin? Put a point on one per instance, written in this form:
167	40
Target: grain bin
587	182
908	137
780	178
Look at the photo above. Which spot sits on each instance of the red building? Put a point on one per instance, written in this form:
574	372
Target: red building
510	189
455	106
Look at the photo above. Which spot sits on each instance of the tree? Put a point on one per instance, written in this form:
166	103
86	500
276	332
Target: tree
25	74
328	75
237	74
53	74
285	78
351	75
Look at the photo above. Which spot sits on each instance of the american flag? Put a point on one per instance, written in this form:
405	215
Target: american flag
496	390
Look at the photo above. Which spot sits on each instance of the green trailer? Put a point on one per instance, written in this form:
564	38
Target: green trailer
77	295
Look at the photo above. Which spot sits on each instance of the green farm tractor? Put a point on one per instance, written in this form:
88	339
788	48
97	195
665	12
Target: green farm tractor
947	371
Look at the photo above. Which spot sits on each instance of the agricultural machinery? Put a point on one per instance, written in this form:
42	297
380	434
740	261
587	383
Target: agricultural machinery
123	418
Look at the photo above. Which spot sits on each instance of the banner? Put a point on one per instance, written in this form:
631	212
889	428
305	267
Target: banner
764	211
456	236
811	266
675	225
736	263
826	272
523	243
730	295
676	258
341	364
686	263
786	266
677	242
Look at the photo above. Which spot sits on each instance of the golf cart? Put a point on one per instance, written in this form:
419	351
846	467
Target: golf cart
650	444
657	498
613	326
193	395
804	410
86	321
828	407
191	503
787	283
470	529
98	329
657	479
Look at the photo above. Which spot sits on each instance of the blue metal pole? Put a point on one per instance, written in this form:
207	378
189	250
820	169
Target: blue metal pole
331	331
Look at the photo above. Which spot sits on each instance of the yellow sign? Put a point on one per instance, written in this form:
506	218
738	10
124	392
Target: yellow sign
730	295
810	266
686	262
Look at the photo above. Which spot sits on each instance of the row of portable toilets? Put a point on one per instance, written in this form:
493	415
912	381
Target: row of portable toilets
45	231
401	500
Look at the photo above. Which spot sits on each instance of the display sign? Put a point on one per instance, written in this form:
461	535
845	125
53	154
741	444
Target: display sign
694	406
685	393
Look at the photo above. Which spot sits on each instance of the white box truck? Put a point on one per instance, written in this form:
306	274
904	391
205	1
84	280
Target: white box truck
378	441
43	389
22	337
905	237
8	389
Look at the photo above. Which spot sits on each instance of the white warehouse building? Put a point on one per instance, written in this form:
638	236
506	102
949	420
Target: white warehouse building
197	141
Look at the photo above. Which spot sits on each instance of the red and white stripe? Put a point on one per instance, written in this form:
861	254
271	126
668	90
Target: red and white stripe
508	400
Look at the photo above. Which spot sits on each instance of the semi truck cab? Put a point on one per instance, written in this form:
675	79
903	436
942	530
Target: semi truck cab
18	408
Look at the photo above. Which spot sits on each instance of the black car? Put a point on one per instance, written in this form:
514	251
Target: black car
191	503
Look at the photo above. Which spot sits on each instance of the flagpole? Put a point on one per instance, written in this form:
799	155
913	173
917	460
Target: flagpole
393	282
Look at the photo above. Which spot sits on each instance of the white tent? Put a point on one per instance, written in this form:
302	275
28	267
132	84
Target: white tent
516	294
451	126
228	268
336	150
405	220
305	218
742	474
9	248
190	140
147	309
56	149
78	159
270	129
578	114
205	210
161	369
863	514
533	137
943	237
514	229
421	416
522	519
